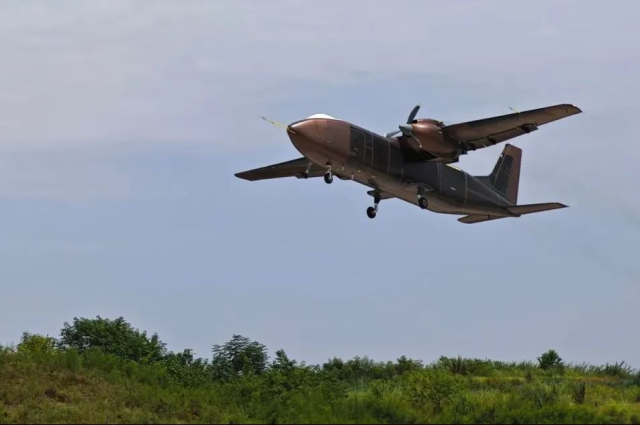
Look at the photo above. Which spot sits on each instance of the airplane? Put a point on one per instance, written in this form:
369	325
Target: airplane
413	164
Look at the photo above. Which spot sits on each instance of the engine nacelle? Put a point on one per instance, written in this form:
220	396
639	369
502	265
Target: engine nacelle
431	138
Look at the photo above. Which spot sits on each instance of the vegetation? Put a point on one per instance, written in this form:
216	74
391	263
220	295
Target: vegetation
103	371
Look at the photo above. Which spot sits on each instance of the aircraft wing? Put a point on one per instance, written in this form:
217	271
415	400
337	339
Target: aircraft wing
489	131
295	168
478	218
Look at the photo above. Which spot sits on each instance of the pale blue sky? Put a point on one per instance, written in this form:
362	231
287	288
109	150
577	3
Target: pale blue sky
122	125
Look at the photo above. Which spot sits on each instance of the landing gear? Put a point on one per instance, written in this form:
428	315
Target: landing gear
307	171
372	211
423	202
328	176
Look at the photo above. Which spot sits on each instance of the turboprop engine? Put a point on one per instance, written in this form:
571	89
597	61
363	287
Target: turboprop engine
426	137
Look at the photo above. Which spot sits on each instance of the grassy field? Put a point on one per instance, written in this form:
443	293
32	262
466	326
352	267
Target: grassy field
46	381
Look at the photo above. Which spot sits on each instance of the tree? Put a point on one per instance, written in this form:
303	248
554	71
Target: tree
112	337
282	362
550	360
186	369
239	357
405	365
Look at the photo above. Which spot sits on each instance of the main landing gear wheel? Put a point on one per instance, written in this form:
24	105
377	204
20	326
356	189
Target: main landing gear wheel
372	211
328	178
424	204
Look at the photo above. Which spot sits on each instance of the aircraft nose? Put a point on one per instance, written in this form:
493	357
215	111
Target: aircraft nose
321	140
303	135
304	129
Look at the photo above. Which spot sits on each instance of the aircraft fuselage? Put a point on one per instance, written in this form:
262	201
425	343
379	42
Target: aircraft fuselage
355	153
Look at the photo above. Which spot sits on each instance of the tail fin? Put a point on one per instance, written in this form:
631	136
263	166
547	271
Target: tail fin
505	178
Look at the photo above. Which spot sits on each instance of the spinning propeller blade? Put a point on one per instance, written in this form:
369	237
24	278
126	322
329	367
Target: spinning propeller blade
412	115
406	128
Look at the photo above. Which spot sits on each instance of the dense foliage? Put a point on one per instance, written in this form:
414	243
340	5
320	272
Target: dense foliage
103	371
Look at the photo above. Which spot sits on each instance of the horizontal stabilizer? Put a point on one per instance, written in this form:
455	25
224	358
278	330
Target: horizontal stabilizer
534	208
518	210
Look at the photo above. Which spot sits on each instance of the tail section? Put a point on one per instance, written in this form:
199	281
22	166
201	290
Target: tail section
505	178
518	210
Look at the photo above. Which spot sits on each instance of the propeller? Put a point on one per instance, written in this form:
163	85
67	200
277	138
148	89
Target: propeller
406	129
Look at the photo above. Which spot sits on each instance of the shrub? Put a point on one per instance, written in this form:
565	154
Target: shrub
542	394
432	387
72	360
551	361
115	337
36	345
579	393
529	377
618	370
466	367
405	365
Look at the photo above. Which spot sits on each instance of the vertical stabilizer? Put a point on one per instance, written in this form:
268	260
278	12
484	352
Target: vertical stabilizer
505	178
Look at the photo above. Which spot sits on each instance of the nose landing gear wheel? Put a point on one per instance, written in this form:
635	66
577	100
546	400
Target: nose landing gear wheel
328	178
424	204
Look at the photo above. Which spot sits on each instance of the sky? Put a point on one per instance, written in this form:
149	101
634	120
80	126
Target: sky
122	124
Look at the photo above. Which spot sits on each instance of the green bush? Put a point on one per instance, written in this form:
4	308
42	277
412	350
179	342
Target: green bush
433	388
618	370
115	337
466	367
551	361
543	394
579	393
36	345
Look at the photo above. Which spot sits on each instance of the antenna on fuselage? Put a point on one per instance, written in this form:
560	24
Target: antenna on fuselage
278	124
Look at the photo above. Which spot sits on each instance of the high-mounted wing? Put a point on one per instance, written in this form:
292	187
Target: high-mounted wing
380	194
478	218
489	131
296	168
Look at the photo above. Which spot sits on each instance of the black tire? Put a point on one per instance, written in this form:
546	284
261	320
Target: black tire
424	204
371	212
328	178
